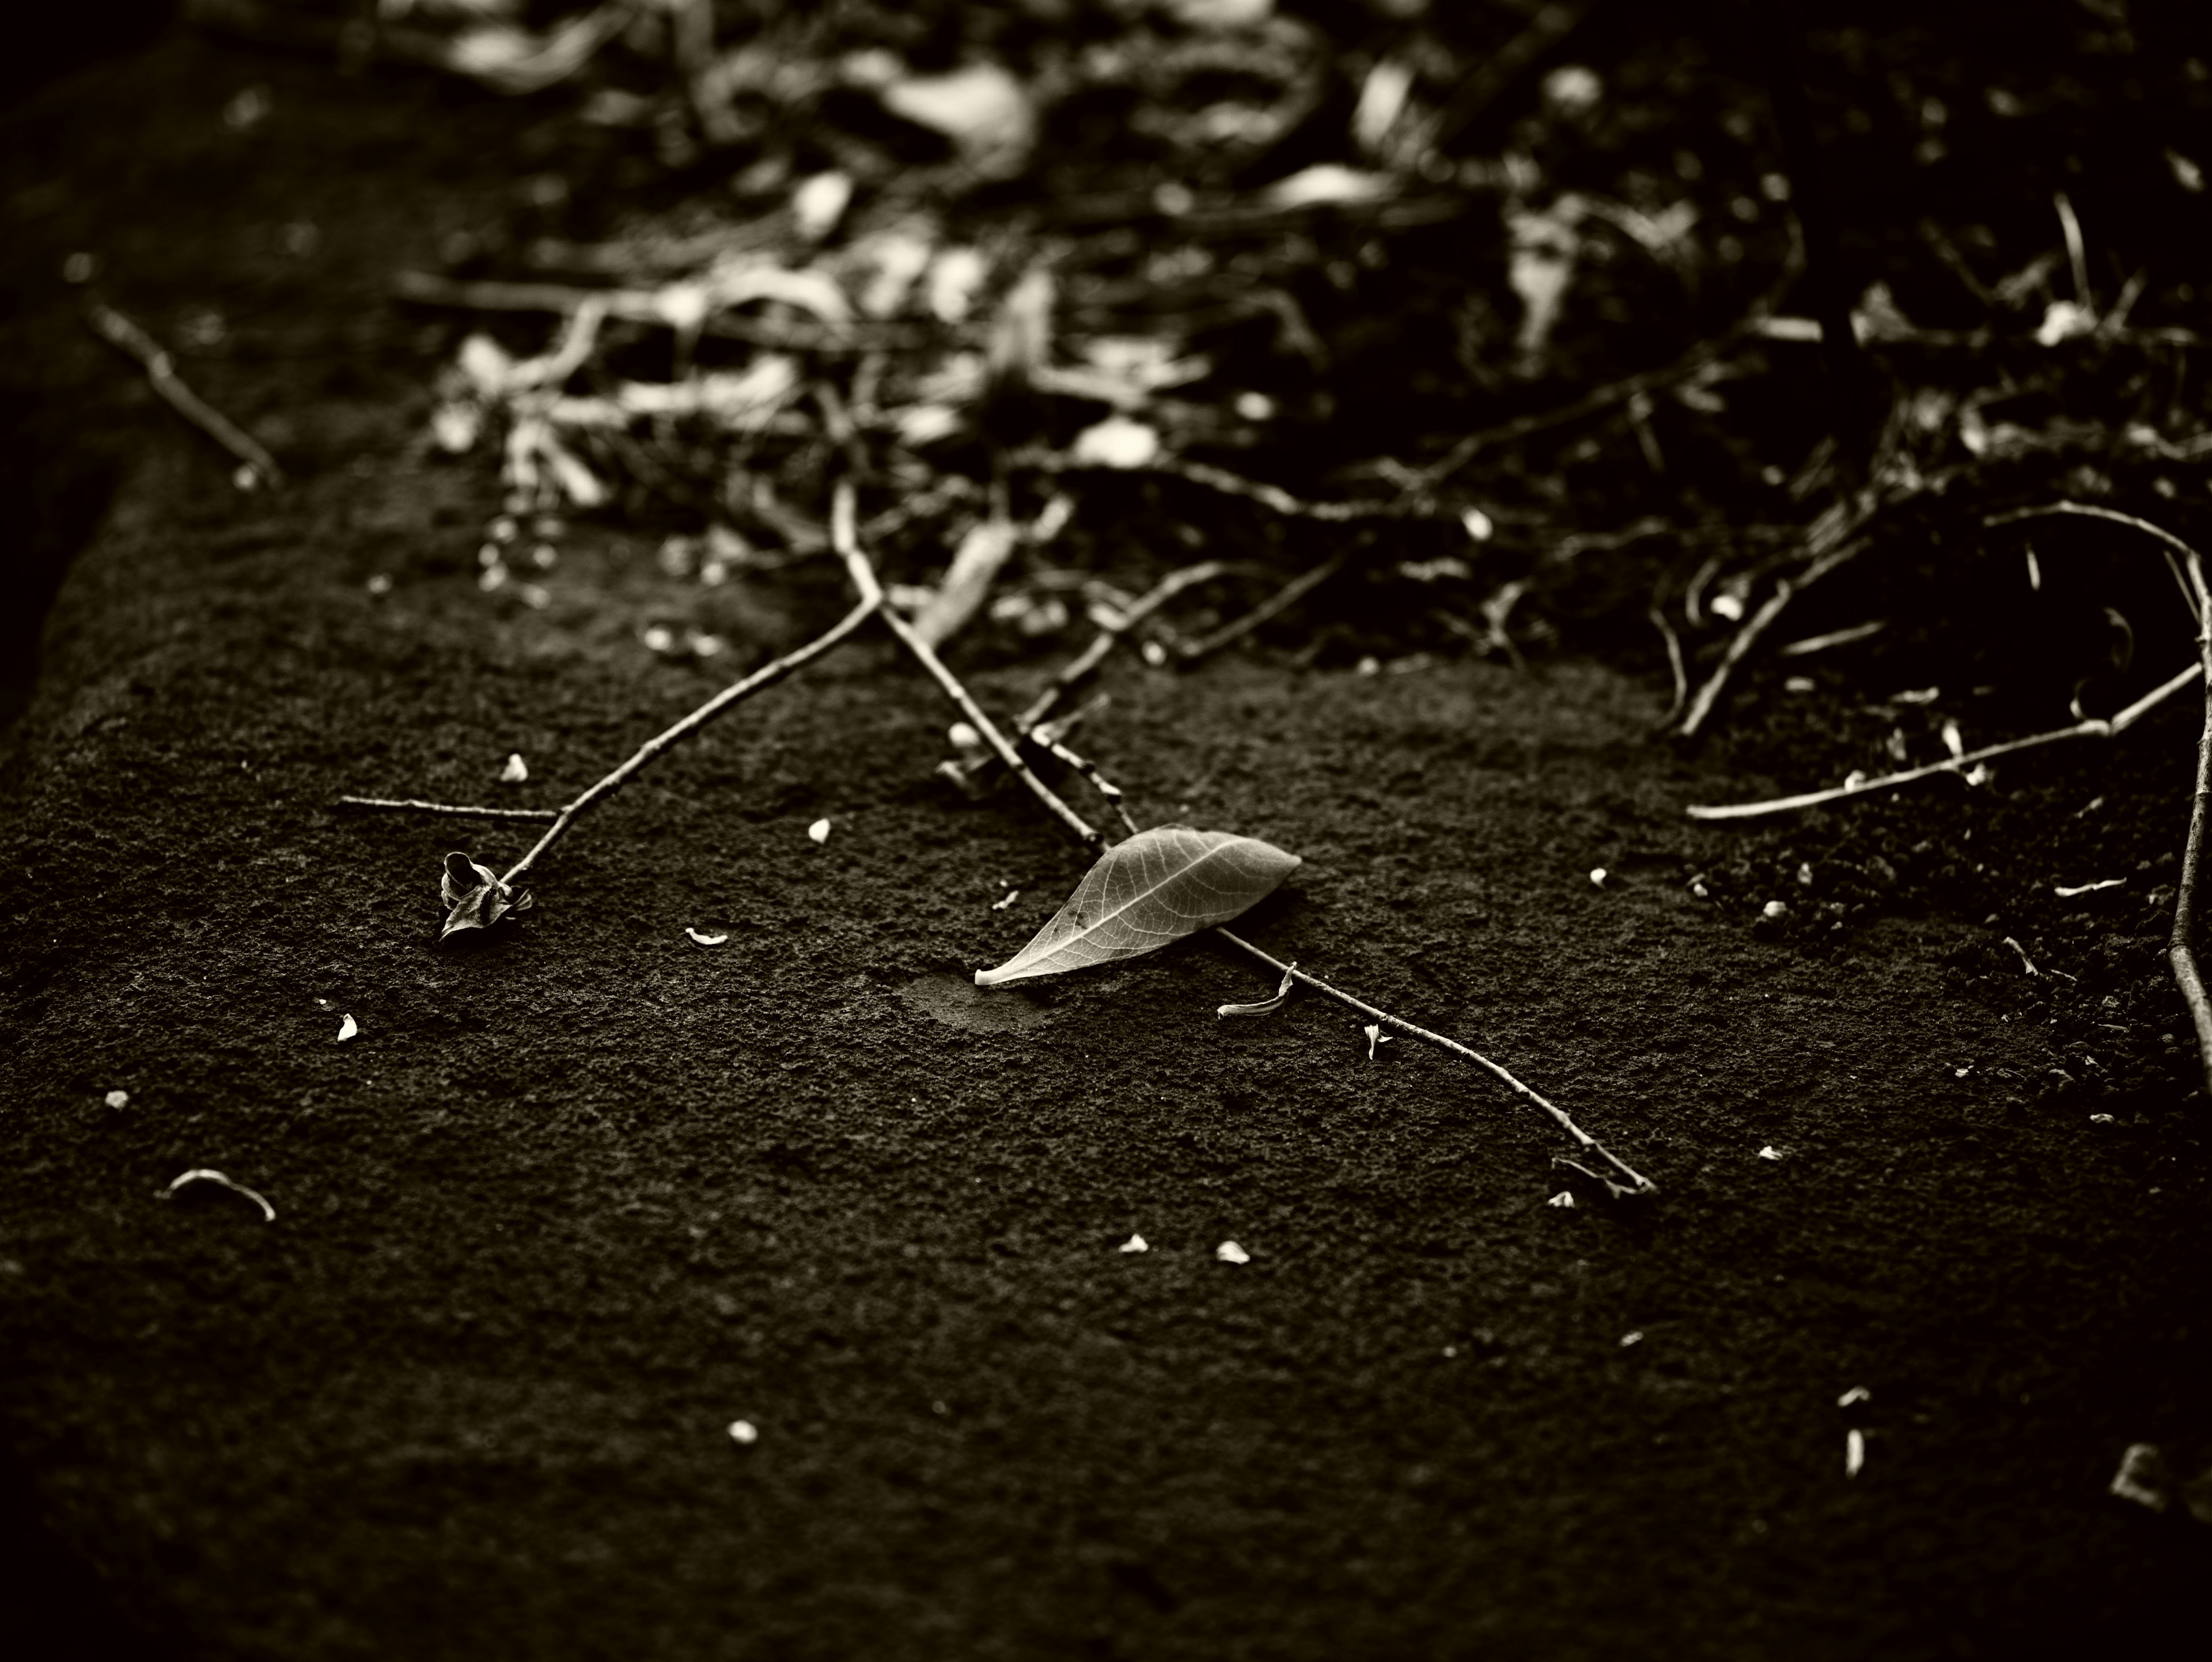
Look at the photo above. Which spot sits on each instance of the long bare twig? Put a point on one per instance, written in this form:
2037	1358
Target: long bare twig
1112	631
457	810
1281	600
1756	626
2095	728
125	335
2171	544
2181	951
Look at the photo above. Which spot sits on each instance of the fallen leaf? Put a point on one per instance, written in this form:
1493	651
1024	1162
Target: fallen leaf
705	940
475	898
1230	1252
1265	1006
203	1175
1145	891
347	1029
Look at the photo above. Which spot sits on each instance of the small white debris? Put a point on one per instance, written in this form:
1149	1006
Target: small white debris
1153	654
705	940
2065	893
1917	696
1953	740
744	1431
1628	1339
1961	1073
1005	900
1565	1198
516	770
1265	1006
1854	1396
1374	1036
1769	1152
1134	1243
1700	890
1773	909
1369	665
820	831
1800	684
1854	1451
347	1029
1728	606
118	1099
819	203
201	1174
1450	1351
706	646
2064	319
2025	962
1117	441
2142	1477
2101	1119
1230	1252
657	639
492	578
1254	406
536	596
544	556
1597	877
246	476
1478	524
379	585
1804	874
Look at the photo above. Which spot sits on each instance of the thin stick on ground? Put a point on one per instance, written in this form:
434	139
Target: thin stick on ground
1674	663
1756	626
122	333
2180	951
457	810
1638	1183
767	676
2095	728
864	578
845	538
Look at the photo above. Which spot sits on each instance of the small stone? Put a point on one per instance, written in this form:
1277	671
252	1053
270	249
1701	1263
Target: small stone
1135	1243
820	831
744	1431
1230	1252
118	1099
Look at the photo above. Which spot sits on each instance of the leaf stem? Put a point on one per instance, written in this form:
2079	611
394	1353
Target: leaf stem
1640	1184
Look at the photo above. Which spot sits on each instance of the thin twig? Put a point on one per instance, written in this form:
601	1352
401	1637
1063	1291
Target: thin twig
122	333
1126	618
1674	662
767	676
1281	600
1755	626
1089	770
2173	545
415	805
1642	1185
1274	496
845	538
2181	951
2095	728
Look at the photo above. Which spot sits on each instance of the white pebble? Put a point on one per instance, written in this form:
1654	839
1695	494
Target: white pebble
515	771
1136	1244
118	1099
347	1028
744	1431
1597	877
1773	909
1230	1252
820	831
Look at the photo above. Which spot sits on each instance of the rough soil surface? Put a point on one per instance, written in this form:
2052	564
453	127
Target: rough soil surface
580	1195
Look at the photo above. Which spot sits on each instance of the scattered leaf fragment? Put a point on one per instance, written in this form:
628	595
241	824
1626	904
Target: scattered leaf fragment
2101	1119
1597	877
1145	891
1230	1252
1265	1006
118	1099
347	1029
515	771
1565	1198
1773	909
1854	1451
201	1174
1629	1339
2064	893
744	1431
474	896
1005	900
1854	1396
1117	441
820	831
1135	1243
1769	1152
2142	1477
1374	1036
705	940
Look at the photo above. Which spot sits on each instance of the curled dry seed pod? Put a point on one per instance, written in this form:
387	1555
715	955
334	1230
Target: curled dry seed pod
475	898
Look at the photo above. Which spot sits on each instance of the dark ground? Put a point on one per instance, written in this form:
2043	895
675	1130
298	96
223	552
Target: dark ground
575	1199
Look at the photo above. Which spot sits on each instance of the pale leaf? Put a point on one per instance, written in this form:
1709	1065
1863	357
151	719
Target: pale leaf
1265	1006
1151	889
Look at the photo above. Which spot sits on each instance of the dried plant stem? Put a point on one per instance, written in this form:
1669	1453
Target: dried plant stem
2096	727
1274	496
737	692
2180	951
1756	626
1109	633
121	332
415	805
845	538
1099	783
2172	546
1281	600
1674	663
1640	1184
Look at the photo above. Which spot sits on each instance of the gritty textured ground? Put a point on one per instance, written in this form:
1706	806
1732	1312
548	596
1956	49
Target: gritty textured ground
578	1196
